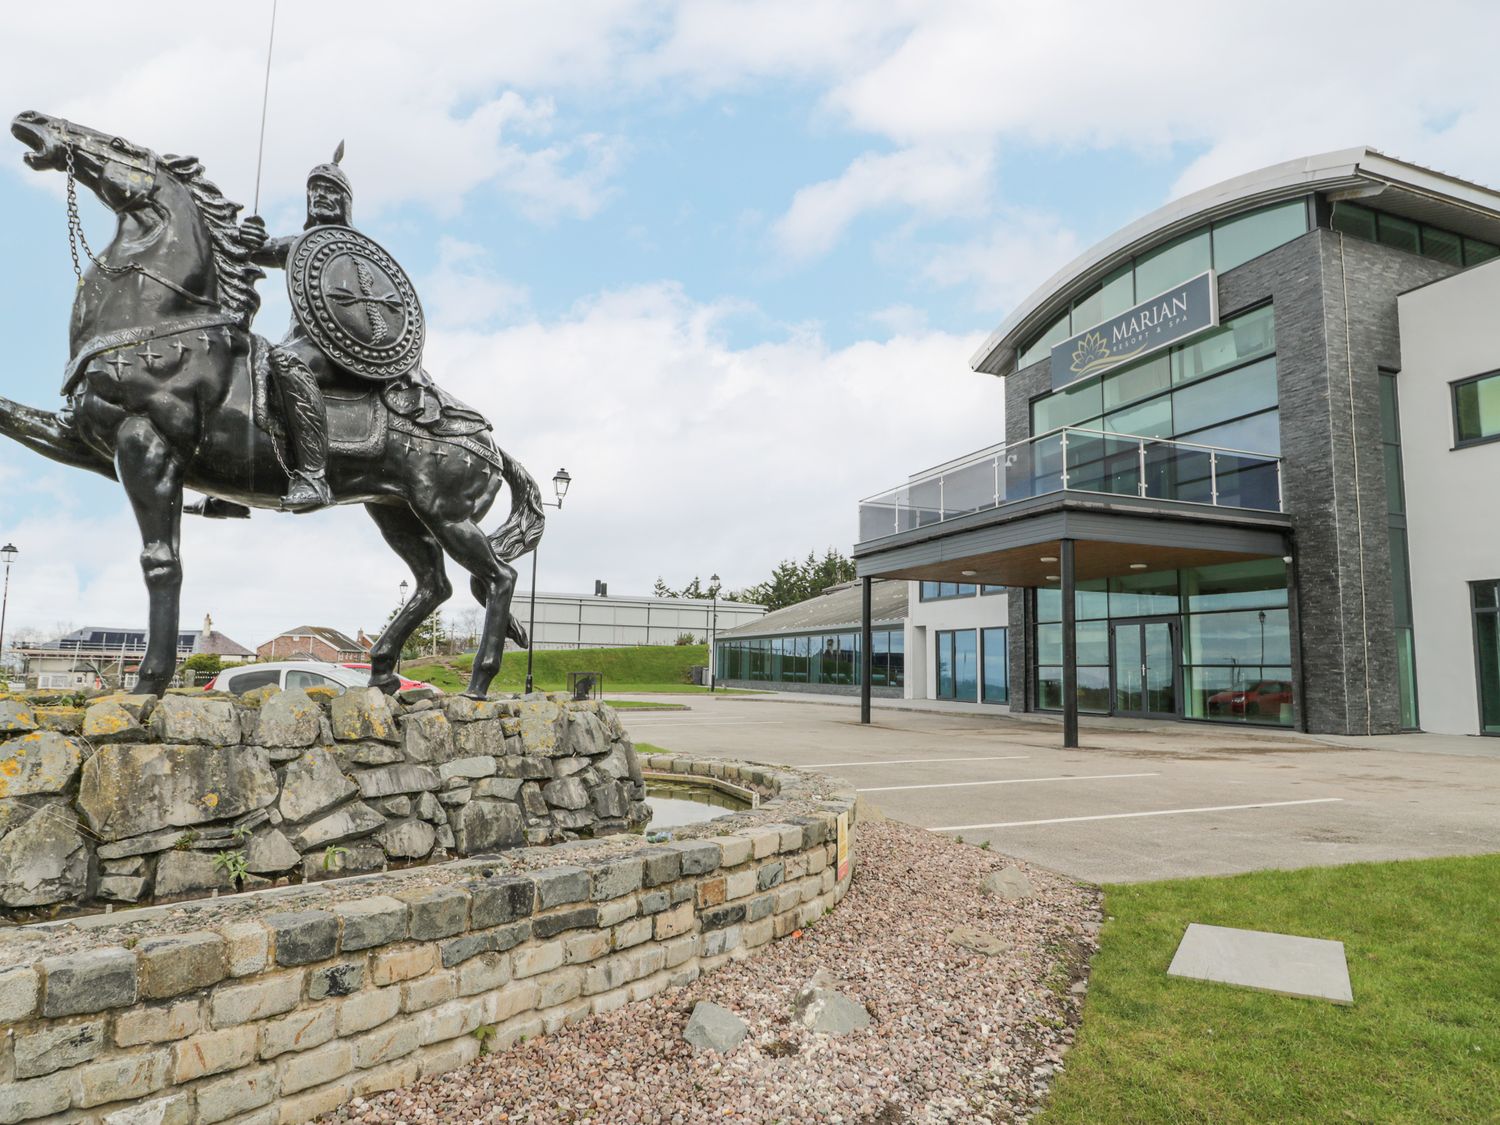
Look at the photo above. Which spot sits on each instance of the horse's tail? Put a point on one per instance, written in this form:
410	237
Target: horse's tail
518	534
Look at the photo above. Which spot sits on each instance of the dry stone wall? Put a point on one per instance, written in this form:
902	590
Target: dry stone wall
272	1007
135	799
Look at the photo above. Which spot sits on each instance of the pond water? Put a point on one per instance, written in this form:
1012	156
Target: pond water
675	804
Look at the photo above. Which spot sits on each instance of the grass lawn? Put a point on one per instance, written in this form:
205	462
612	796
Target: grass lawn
1421	1042
645	705
664	669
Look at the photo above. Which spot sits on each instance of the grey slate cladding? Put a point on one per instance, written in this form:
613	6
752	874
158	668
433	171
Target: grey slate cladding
721	916
770	875
371	922
436	912
304	936
614	878
89	982
654	902
560	885
501	899
662	865
550	925
496	940
698	856
814	832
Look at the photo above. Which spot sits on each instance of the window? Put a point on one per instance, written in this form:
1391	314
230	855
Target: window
1483	597
996	679
242	682
1409	236
1249	236
957	665
1172	264
937	591
297	678
1476	409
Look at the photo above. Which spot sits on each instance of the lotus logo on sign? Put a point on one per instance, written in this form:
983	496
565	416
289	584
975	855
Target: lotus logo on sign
1151	325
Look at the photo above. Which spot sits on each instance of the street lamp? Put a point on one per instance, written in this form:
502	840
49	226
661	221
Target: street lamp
7	553
560	482
1262	616
403	593
713	636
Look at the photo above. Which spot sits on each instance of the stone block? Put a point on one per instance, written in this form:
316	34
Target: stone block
407	839
613	913
157	1024
559	986
821	1008
270	853
16	716
631	933
1269	962
298	1031
711	892
213	1052
739	884
495	940
515	998
468	768
427	736
713	1028
247	947
173	1109
482	738
45	860
371	922
722	916
353	820
312	784
404	777
389	1041
382	1078
615	878
234	1004
528	961
89	982
556	1018
341	979
425	992
712	943
762	906
1009	883
363	715
120	1078
698	857
189	874
367	1009
289	719
660	865
235	1093
301	937
549	925
483	973
440	1058
484	825
188	719
399	963
170	966
56	1047
501	788
770	875
649	986
679	950
566	793
758	933
38	763
313	1104
735	850
127	790
353	754
556	886
501	899
435	912
793	866
679	920
324	1064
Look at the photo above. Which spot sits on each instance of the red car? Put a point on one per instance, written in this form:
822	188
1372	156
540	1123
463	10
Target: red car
1264	697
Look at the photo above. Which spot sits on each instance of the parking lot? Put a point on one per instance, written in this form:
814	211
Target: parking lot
1136	801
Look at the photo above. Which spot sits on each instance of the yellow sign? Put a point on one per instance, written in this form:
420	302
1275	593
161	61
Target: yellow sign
841	868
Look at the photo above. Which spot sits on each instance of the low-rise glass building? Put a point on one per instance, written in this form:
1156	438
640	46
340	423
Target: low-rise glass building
1200	501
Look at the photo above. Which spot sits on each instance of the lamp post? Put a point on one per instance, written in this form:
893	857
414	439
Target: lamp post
8	553
560	482
713	636
403	593
1262	616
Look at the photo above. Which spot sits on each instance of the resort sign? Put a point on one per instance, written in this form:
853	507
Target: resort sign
1151	325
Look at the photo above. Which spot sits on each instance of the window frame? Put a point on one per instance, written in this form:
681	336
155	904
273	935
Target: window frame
1460	442
1474	611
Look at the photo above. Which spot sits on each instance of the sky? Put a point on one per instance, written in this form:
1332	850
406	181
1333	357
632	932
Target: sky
724	262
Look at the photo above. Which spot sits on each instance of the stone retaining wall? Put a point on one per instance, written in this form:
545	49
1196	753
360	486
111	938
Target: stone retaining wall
133	799
279	1005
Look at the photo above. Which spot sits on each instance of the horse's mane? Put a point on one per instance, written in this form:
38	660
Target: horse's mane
236	274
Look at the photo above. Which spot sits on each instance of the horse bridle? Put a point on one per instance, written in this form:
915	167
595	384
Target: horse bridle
76	237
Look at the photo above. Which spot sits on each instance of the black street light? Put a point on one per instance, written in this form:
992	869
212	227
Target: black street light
560	482
403	593
8	553
713	636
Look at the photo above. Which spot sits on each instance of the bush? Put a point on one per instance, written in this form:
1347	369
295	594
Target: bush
685	639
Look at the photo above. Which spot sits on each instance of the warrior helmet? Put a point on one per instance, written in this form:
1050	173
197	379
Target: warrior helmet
331	173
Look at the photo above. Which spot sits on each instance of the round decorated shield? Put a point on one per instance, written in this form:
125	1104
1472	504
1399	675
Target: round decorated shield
355	302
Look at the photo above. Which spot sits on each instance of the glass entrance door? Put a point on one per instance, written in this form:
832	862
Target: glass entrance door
1143	667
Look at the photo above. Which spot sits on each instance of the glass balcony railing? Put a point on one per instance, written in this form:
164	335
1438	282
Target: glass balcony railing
1077	460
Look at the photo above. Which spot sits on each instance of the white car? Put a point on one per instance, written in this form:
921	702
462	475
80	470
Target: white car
288	674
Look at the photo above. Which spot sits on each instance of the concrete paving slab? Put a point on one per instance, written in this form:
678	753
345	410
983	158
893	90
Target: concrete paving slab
1292	966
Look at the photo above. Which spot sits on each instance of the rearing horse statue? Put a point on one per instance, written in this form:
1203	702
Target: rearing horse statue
162	395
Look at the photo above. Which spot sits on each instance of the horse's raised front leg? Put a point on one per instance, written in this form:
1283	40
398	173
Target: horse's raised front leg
151	472
410	539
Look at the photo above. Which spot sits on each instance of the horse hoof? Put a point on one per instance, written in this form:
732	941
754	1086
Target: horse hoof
388	684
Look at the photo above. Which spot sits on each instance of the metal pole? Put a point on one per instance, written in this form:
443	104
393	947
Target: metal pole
865	642
1070	650
4	605
531	628
713	646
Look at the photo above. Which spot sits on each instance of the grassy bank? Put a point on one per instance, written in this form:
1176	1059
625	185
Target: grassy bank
1420	1043
665	668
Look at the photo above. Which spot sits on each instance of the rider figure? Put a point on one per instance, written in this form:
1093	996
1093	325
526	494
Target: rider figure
297	364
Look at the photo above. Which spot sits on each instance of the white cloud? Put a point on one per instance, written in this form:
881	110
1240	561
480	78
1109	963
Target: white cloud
1006	258
465	292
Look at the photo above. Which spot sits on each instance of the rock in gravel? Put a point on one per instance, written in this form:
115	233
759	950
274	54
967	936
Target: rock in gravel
712	1028
978	941
1010	883
819	1007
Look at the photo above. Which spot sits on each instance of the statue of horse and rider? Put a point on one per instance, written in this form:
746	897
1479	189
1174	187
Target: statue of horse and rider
167	388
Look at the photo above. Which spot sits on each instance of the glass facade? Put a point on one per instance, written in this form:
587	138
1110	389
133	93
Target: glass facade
1476	409
814	658
1485	599
1395	496
1409	236
971	665
937	591
1230	641
1220	246
995	656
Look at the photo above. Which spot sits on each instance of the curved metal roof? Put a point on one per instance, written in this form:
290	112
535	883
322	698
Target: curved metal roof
1405	189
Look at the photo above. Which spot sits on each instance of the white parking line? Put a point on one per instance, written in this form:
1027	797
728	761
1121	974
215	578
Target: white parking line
912	762
1126	815
1009	781
704	723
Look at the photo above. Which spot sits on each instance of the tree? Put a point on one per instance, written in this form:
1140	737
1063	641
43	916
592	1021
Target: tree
661	589
790	582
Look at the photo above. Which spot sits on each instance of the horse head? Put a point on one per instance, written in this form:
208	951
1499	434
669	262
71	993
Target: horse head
182	231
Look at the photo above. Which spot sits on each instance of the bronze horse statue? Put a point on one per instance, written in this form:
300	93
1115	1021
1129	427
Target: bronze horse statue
161	396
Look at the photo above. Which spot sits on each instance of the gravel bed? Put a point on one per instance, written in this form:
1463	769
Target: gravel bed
955	1036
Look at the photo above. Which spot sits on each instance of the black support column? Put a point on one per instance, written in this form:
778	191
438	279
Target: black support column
865	642
1069	649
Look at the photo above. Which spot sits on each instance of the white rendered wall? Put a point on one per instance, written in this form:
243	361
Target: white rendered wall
581	621
925	619
1448	332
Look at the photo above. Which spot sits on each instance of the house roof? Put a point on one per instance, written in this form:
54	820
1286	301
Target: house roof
341	641
837	607
113	640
